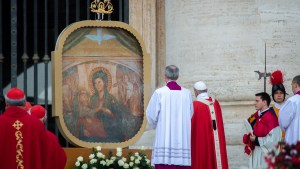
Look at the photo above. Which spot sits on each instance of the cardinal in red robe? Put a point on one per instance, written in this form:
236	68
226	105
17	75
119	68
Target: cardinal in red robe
207	138
23	138
57	154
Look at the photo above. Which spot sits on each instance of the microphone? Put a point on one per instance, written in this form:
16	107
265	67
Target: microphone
214	124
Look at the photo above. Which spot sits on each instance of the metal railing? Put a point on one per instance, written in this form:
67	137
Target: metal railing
26	43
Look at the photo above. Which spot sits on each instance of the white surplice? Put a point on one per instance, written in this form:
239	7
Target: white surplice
169	112
267	144
289	119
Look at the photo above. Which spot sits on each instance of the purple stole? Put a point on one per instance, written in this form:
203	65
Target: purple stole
298	92
172	85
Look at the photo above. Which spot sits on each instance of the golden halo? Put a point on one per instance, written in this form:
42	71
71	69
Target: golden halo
99	69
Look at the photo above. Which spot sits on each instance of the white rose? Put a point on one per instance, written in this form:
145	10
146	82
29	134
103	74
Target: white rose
103	156
126	165
94	168
111	161
136	154
84	166
131	158
119	153
93	161
136	168
77	164
98	148
131	164
124	159
139	157
147	161
92	156
119	149
113	158
137	161
99	154
107	164
80	158
121	162
103	162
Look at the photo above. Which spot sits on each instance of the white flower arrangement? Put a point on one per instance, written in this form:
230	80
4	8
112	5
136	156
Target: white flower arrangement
77	164
119	154
92	156
84	166
80	158
98	160
98	148
121	162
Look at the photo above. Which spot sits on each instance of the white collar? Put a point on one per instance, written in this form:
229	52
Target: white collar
203	96
277	105
260	112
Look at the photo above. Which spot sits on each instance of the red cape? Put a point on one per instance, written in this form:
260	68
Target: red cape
202	138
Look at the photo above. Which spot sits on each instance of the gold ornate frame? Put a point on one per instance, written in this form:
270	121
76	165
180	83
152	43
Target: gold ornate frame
57	104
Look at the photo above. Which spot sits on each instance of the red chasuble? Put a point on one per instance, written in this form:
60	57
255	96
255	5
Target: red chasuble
204	155
23	141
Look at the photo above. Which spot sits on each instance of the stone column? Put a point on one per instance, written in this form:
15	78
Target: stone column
142	17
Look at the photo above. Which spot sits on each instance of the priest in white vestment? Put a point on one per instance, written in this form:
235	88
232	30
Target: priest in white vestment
289	114
169	112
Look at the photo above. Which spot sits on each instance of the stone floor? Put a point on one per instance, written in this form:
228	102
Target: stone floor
236	157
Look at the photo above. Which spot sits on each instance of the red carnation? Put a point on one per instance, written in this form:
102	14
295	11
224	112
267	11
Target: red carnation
296	161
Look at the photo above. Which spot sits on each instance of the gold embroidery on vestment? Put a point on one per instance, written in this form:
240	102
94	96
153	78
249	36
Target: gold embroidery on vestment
19	147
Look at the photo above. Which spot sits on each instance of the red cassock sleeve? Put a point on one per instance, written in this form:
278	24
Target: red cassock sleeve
202	138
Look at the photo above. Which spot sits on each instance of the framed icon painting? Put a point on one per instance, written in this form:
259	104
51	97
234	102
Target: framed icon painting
101	76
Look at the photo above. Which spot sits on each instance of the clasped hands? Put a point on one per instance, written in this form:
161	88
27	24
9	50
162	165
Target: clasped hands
100	108
252	137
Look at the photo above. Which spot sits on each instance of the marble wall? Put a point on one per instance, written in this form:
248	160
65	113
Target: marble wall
223	43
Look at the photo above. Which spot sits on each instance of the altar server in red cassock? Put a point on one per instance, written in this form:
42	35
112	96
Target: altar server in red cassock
208	137
57	154
266	131
23	138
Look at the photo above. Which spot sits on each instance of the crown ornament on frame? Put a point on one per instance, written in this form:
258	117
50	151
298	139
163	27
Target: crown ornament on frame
101	8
